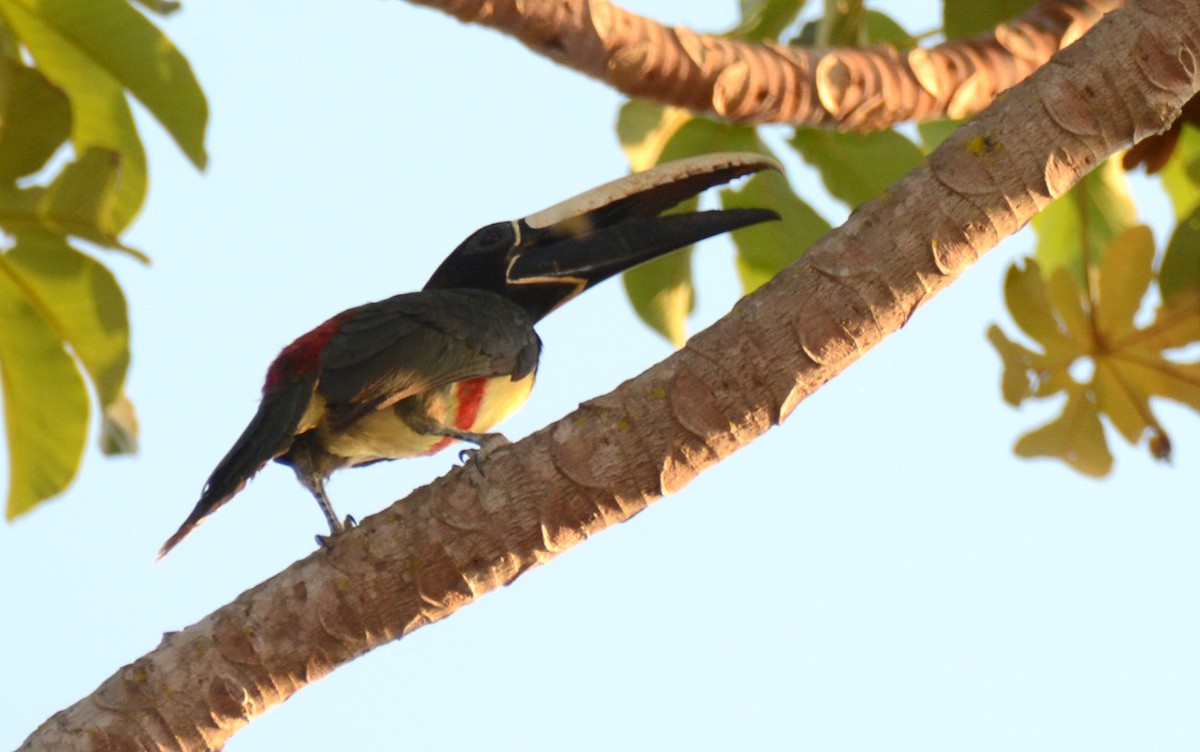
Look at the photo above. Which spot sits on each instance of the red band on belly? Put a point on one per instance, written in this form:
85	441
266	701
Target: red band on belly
470	397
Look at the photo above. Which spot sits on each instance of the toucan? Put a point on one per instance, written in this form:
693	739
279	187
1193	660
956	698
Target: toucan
409	375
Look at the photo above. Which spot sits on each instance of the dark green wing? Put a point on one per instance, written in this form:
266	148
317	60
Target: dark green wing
415	342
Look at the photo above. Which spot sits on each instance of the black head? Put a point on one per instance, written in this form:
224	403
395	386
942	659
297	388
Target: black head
547	258
480	262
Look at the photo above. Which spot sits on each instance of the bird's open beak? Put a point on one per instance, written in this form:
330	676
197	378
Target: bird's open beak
589	238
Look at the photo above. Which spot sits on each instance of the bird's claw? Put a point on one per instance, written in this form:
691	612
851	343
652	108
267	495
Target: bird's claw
487	445
326	541
472	456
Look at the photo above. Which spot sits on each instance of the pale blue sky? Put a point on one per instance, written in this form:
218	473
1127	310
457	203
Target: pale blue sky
878	574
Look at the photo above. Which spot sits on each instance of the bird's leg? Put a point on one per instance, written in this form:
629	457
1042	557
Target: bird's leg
487	442
336	526
312	476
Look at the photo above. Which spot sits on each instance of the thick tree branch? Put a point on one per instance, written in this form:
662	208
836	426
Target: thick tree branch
850	88
463	535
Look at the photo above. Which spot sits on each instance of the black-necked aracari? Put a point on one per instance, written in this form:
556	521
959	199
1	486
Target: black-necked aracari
409	375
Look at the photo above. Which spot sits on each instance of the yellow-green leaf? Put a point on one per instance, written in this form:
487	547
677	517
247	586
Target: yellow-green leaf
119	427
661	291
1064	296
81	201
34	122
766	248
856	167
1028	302
100	113
1075	437
1179	173
111	39
1085	219
1125	276
1164	378
1024	371
644	130
45	401
1118	397
79	300
1176	324
662	295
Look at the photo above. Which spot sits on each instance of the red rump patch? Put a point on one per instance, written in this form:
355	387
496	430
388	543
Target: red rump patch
304	354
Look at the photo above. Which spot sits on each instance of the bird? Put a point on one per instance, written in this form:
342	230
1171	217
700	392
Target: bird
412	374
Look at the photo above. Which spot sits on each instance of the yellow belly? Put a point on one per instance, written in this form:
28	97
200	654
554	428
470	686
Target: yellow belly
475	406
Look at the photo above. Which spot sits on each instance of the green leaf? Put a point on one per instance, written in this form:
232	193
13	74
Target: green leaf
842	24
766	19
661	291
1086	218
880	28
807	36
662	294
82	201
45	401
81	302
857	167
645	129
968	18
1179	178
766	248
1125	276
114	41
1075	437
34	122
92	51
1179	275
934	132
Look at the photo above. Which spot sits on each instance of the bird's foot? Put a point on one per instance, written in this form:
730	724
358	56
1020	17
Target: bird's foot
326	541
488	443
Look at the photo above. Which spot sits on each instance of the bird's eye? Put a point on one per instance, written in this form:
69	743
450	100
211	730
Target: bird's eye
489	239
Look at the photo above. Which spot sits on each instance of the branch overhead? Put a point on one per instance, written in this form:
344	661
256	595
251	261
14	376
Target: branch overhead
848	88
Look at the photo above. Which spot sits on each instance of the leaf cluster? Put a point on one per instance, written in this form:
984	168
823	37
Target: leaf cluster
73	176
855	167
1078	298
1094	276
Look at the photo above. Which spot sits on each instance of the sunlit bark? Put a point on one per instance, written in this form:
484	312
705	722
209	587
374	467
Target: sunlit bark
850	88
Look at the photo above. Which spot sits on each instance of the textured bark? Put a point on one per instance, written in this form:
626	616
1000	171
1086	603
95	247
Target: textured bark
850	88
463	536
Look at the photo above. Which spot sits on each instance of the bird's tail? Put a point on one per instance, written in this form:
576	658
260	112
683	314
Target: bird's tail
269	434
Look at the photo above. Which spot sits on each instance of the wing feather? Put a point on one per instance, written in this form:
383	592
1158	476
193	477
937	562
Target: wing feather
412	343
